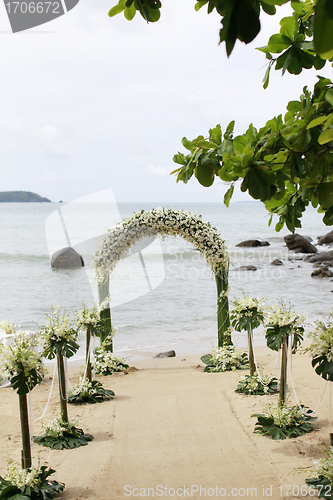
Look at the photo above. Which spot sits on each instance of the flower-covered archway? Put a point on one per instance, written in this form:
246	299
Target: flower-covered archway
170	222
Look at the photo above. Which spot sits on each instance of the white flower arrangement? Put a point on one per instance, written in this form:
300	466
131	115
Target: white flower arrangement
244	306
257	384
21	358
283	316
58	327
325	466
57	428
224	359
87	318
322	339
161	221
6	328
106	363
285	416
23	477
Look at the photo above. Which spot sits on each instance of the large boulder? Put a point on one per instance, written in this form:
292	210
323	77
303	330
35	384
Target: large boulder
326	257
299	244
167	354
327	238
253	243
322	272
66	258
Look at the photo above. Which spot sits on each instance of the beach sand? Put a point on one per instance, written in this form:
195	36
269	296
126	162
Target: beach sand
173	430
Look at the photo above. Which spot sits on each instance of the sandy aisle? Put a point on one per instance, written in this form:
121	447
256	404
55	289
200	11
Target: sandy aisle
170	430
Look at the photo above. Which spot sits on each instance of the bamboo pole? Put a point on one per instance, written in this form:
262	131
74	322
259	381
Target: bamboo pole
252	364
223	320
62	388
88	362
283	375
105	314
25	432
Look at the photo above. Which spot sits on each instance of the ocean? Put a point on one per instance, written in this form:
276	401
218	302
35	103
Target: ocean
179	308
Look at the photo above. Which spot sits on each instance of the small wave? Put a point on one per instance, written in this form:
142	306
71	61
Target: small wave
16	257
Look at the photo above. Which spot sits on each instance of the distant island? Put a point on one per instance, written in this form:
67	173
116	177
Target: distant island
21	197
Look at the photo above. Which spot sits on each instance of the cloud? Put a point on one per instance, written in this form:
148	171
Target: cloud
49	139
157	171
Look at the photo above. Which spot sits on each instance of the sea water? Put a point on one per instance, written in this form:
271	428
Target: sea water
179	307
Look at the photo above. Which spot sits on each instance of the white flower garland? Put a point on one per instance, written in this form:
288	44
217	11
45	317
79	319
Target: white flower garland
163	221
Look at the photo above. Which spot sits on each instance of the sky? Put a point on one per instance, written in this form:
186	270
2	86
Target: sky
91	102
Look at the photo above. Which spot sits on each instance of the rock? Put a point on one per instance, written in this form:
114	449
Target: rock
277	262
66	258
327	238
167	354
318	264
326	257
253	243
322	272
248	268
299	243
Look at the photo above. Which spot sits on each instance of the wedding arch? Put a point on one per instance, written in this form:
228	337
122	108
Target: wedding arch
168	222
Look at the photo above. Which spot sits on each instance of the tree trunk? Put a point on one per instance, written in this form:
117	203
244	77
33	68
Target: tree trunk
252	364
26	448
105	314
62	388
223	320
88	355
283	376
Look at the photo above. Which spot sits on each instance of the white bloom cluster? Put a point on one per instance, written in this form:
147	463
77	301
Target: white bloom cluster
87	318
84	387
244	306
161	221
105	362
6	328
255	383
20	357
23	477
56	428
322	339
226	358
325	466
283	316
58	327
285	416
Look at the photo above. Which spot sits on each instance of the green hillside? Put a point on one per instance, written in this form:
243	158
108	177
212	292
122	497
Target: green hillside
21	197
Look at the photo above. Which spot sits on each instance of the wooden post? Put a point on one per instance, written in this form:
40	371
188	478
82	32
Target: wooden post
223	320
283	376
252	364
62	388
88	355
105	314
26	448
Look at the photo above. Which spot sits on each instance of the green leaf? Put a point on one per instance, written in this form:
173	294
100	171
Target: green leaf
269	9
117	8
326	136
215	135
248	24
130	12
204	174
228	196
266	77
277	43
328	217
329	96
323	31
187	144
317	121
